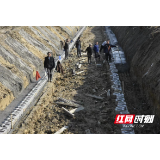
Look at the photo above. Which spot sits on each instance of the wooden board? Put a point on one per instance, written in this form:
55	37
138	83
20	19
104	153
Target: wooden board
80	72
93	96
70	114
61	130
68	104
70	101
76	110
78	102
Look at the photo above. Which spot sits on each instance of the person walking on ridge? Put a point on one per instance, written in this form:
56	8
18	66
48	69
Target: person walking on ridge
49	65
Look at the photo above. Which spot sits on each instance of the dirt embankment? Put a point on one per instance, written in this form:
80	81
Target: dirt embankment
141	46
22	52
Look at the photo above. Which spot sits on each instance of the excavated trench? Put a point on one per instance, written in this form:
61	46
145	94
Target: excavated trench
139	90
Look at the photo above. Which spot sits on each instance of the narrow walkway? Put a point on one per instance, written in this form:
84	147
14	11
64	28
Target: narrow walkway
11	107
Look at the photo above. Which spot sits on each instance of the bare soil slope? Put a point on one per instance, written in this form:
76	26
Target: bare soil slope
22	52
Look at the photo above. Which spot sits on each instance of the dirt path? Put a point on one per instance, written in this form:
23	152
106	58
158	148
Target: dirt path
98	115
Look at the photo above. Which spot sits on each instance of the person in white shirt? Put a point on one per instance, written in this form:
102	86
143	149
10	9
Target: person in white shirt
102	46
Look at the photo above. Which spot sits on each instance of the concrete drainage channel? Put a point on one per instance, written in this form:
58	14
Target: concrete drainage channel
118	63
21	109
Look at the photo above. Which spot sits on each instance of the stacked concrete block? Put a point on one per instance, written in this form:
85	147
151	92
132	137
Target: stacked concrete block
118	58
118	55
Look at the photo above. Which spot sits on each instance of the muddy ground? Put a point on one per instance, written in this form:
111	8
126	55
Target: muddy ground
98	115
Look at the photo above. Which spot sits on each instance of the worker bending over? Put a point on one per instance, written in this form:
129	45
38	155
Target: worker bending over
59	67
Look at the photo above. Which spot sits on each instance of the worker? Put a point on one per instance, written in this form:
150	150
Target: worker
78	46
61	45
102	46
49	65
107	50
96	51
59	67
66	48
89	53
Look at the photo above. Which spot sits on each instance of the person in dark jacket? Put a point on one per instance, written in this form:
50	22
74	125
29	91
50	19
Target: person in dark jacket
49	65
102	46
93	49
66	48
96	50
78	46
89	52
59	67
61	45
107	49
64	44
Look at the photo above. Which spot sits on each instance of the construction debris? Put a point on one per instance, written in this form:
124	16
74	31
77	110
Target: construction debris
68	104
93	96
70	101
76	110
61	130
78	102
79	66
80	72
64	100
70	114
